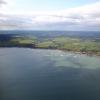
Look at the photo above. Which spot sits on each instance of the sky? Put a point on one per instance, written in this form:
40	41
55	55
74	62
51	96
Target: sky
75	15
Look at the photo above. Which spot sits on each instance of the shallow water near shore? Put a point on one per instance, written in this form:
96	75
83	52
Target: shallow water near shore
34	74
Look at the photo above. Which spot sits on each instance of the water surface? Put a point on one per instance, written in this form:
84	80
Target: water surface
33	74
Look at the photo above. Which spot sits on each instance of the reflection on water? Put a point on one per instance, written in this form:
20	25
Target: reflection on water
28	74
74	60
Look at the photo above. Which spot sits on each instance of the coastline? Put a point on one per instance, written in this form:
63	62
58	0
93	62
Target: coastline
64	50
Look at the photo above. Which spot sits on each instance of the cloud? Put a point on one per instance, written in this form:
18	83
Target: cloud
3	5
84	17
2	2
14	22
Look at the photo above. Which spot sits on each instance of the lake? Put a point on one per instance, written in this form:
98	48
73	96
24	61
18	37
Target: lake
34	74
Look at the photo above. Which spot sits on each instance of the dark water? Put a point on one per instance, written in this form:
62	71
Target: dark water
28	74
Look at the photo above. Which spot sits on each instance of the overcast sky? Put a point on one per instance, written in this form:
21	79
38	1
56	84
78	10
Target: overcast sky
50	15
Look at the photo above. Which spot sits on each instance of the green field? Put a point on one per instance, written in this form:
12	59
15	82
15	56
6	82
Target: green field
85	46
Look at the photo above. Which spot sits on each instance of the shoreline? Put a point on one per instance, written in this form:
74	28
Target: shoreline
71	51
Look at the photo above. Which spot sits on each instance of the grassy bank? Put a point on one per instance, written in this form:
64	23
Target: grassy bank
84	46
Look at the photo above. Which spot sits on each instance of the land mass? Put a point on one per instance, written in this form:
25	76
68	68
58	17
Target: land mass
80	45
